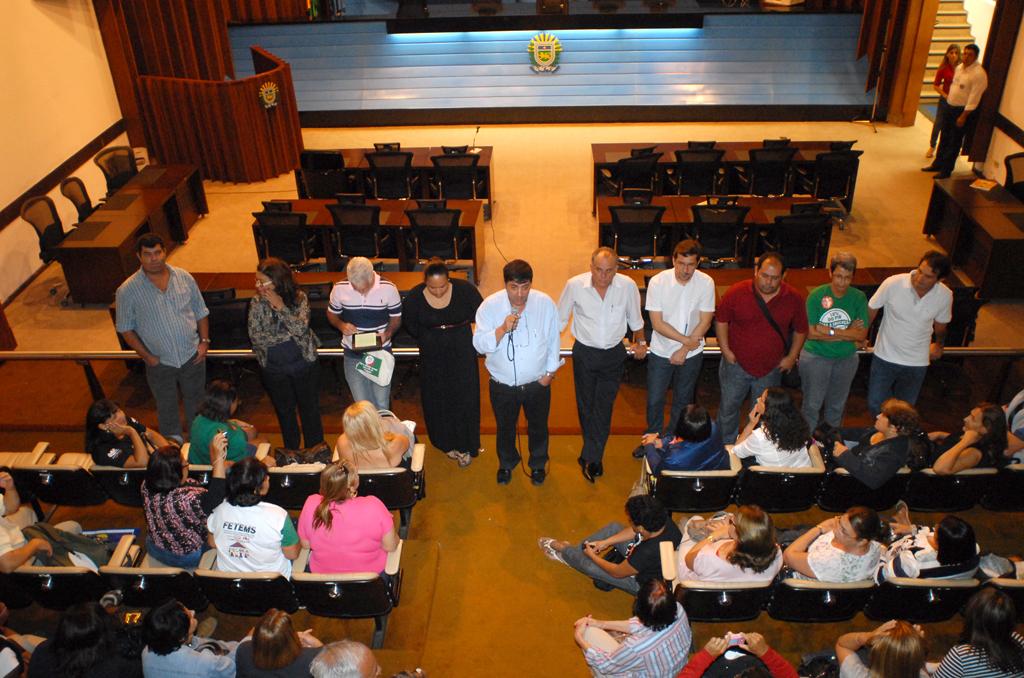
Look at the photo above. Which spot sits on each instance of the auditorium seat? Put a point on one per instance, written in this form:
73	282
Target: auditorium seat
840	491
1006	492
148	583
694	491
715	601
919	601
929	491
62	482
778	489
399	488
244	593
58	588
803	601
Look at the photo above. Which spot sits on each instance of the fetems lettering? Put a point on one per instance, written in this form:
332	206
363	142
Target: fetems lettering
239	527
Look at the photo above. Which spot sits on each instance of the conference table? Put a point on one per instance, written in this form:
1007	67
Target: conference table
99	254
983	232
737	154
355	161
393	217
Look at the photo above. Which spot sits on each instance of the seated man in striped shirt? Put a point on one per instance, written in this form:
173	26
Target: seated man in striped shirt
365	303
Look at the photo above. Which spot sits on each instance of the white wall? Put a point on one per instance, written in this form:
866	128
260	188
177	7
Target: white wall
1012	108
979	15
58	96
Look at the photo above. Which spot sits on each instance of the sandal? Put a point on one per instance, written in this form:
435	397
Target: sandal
462	458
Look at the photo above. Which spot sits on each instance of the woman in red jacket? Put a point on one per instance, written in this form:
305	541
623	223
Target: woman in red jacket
943	79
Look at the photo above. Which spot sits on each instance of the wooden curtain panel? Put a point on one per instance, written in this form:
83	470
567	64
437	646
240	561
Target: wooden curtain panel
222	126
1002	37
179	38
255	11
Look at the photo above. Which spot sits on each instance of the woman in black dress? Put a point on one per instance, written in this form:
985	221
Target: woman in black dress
439	313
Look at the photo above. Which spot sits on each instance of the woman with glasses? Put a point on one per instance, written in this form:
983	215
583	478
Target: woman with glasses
285	348
839	549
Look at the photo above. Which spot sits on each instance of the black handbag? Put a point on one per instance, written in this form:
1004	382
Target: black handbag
790	379
321	453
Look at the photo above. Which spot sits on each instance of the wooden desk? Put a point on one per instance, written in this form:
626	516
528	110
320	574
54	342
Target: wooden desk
100	254
737	153
355	161
983	232
392	215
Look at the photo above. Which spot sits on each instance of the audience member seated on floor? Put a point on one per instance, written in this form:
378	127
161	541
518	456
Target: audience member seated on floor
344	532
115	439
345	659
634	551
839	549
989	646
897	650
215	410
654	642
18	548
86	645
743	655
695	445
776	433
981	443
372	441
275	649
177	507
251	535
173	649
737	547
881	452
947	551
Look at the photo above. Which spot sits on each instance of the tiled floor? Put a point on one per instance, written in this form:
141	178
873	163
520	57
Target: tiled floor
542	180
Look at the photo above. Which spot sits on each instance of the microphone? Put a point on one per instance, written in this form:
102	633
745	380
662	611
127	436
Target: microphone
473	148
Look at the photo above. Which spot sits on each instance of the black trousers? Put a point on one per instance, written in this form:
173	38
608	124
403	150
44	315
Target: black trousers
597	374
952	139
535	401
291	392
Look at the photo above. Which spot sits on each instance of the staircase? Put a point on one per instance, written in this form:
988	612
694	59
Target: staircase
951	27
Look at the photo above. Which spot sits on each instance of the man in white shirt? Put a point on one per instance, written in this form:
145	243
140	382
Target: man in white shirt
517	331
681	303
602	304
969	83
916	306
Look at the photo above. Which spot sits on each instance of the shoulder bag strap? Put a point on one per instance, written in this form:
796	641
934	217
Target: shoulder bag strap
768	316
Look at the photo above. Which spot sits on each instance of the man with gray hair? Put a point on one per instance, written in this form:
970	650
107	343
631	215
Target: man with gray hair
365	302
345	659
837	320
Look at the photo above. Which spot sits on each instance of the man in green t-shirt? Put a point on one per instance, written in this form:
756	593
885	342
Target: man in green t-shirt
837	318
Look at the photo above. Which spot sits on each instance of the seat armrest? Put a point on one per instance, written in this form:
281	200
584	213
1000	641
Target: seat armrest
184	451
40	447
120	555
735	465
300	563
262	450
418	452
208	560
929	583
394	561
668	561
966	472
815	454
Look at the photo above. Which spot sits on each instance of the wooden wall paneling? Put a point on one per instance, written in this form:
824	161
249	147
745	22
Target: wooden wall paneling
123	70
180	38
1004	32
911	43
873	22
256	11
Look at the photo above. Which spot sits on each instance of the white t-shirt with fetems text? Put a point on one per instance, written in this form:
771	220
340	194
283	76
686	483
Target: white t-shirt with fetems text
250	538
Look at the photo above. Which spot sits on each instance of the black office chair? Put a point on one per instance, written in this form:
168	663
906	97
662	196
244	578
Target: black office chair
228	322
350	198
635	229
325	184
74	190
356	230
390	174
801	239
321	159
1015	174
700	145
456	176
219	296
431	204
118	166
832	180
284	235
769	171
387	146
722	234
781	142
637	196
841	145
697	172
642	151
277	205
454	150
722	200
42	214
633	172
815	207
435	233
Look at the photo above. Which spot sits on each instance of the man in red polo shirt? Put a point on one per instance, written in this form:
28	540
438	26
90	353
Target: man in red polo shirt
754	354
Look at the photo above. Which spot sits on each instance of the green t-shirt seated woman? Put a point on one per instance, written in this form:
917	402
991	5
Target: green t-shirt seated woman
219	403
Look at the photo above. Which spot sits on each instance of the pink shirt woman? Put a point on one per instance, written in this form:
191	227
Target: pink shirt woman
343	532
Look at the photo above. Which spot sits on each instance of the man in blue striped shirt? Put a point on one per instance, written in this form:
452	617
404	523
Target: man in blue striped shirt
162	316
365	303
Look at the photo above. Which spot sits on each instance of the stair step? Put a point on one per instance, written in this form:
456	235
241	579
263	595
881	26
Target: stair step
954	17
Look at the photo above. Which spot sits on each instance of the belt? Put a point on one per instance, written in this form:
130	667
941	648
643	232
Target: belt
452	326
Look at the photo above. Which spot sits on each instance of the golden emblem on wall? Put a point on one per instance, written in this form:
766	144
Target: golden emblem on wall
544	49
269	94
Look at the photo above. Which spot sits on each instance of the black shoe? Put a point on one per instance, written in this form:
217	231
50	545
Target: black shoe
638	453
592	471
930	168
602	586
537	476
942	175
504	476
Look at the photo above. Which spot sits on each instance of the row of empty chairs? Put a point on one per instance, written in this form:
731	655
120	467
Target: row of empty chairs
806	601
783	489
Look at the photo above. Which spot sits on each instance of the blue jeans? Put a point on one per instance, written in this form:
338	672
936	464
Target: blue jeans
660	372
575	558
189	561
889	380
826	384
736	384
364	389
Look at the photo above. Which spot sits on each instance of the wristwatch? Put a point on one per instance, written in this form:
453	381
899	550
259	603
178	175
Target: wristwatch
204	340
831	331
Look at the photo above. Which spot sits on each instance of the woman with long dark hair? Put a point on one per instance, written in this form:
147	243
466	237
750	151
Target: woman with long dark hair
776	433
115	439
439	314
285	348
275	649
947	551
989	646
216	416
84	646
345	532
741	547
982	442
